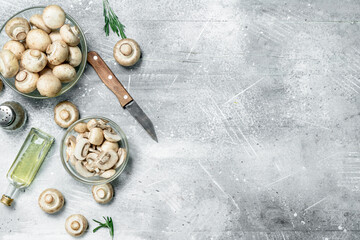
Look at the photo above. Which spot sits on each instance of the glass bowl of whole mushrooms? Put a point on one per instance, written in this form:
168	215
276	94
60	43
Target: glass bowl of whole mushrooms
94	150
43	52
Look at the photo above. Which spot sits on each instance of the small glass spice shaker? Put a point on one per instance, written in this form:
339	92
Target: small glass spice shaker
12	116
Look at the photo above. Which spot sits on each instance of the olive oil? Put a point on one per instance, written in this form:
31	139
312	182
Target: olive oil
27	163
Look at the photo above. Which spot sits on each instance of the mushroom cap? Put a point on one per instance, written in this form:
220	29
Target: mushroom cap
65	114
33	60
45	71
25	81
127	52
17	28
75	56
51	200
80	127
76	225
57	52
48	85
96	136
70	35
107	145
15	47
55	36
38	39
9	65
65	72
91	124
107	160
37	21
102	193
53	16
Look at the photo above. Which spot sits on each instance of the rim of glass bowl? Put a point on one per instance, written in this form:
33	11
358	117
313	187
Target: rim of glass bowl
81	66
77	176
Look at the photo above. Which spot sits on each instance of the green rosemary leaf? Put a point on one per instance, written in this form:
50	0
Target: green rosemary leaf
108	224
112	21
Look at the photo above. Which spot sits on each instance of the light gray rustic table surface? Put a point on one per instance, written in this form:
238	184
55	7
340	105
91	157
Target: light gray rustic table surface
256	107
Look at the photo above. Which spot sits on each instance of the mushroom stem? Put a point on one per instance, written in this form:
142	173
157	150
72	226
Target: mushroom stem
126	49
49	198
19	33
75	225
101	193
64	114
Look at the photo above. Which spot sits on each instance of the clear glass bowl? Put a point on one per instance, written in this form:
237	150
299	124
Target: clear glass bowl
95	180
27	13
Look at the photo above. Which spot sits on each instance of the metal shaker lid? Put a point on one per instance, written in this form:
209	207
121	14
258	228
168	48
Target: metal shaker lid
7	116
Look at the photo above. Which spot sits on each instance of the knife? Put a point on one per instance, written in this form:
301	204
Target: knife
126	101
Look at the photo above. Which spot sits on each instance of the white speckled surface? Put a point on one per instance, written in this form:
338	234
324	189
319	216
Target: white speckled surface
256	107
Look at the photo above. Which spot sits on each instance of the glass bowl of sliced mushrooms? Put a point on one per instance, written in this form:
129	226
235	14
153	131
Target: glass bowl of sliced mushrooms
94	150
43	52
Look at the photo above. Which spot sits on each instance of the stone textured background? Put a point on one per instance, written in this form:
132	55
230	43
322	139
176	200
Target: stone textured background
256	107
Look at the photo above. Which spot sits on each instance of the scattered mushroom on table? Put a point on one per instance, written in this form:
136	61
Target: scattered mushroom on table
96	152
127	52
51	200
65	113
43	42
76	225
102	193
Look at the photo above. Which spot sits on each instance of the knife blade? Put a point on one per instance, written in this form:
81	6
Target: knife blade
125	99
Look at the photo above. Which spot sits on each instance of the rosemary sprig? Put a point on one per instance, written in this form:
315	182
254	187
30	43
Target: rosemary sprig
108	224
112	21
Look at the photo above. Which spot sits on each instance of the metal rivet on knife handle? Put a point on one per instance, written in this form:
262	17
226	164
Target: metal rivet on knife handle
108	77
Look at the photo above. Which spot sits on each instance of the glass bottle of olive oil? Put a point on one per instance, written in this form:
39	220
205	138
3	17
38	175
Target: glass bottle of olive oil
27	163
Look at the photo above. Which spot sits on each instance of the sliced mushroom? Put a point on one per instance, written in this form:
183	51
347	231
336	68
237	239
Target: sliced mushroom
107	160
26	81
76	225
91	124
33	60
122	156
15	47
96	136
82	148
51	200
93	150
80	127
9	65
82	170
82	135
111	136
90	166
65	114
48	85
92	157
53	16
70	35
102	193
38	39
107	145
17	28
75	56
108	173
55	36
127	52
37	21
65	72
73	160
57	52
71	144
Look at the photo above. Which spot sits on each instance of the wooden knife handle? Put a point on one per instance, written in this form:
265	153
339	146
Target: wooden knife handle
108	77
